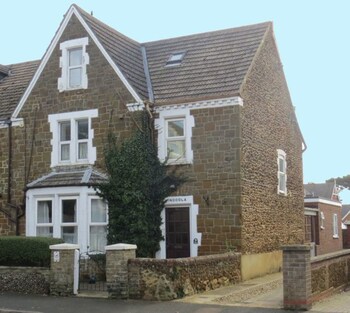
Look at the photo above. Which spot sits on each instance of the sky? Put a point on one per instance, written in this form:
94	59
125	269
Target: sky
312	37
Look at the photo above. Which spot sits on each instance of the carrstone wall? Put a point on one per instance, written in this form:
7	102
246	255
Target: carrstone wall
32	143
214	178
152	279
329	273
269	219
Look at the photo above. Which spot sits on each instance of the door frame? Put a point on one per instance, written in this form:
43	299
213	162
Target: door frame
195	236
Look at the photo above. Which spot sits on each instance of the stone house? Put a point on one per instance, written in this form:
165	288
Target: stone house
323	222
223	114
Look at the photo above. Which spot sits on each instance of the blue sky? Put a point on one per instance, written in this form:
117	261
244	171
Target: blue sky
312	37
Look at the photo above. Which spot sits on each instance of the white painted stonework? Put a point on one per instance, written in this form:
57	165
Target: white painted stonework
181	201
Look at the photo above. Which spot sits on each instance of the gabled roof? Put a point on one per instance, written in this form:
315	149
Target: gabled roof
125	52
323	190
214	65
13	85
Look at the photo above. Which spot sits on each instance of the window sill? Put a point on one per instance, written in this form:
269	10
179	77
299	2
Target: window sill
178	162
72	89
335	237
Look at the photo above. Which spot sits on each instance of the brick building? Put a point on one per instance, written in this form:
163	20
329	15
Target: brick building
222	112
323	219
346	226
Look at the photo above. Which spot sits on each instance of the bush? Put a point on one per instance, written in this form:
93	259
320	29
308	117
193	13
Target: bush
26	251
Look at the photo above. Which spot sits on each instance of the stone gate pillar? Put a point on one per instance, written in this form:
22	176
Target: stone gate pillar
62	273
117	276
297	277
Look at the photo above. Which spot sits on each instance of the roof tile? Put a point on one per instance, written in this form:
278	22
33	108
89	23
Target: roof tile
13	86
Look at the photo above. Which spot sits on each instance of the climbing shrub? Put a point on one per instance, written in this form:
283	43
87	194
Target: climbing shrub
136	190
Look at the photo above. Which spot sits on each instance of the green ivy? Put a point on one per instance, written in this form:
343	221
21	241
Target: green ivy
136	190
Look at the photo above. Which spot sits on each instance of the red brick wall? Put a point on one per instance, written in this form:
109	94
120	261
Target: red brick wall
327	243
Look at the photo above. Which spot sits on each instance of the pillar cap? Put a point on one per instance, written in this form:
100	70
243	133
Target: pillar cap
64	246
306	247
121	246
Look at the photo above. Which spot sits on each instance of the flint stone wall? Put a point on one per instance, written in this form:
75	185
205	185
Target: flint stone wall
30	280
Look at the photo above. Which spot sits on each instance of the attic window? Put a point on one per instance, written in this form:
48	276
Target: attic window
175	59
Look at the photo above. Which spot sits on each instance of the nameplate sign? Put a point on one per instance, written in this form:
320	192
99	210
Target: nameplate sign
178	200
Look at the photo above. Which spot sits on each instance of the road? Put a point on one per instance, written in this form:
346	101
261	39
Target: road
45	304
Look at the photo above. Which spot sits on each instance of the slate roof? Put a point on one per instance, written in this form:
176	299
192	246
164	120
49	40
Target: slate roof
4	70
323	190
214	65
69	177
345	211
13	85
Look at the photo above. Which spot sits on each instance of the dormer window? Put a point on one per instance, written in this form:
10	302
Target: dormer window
73	65
175	59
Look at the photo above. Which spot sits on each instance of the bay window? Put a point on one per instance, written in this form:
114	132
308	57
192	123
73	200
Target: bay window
98	225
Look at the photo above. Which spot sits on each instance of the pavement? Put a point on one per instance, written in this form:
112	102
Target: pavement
265	292
260	295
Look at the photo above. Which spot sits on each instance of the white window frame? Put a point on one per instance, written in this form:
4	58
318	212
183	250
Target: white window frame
73	117
55	194
161	125
281	155
91	223
65	47
335	226
69	224
175	59
37	224
322	220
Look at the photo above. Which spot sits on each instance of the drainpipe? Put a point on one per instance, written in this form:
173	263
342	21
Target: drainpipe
9	171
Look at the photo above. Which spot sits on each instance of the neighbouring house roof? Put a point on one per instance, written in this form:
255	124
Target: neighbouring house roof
345	213
323	190
85	176
4	70
13	85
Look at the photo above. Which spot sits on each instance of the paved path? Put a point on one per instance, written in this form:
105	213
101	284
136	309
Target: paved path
265	292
